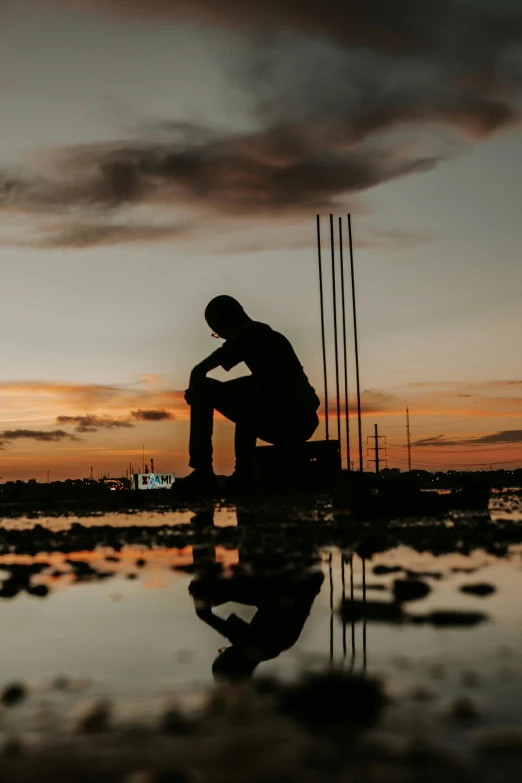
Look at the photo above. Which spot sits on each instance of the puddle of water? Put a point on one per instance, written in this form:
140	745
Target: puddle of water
135	622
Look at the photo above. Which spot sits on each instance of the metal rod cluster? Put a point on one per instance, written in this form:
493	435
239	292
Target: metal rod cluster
344	561
337	275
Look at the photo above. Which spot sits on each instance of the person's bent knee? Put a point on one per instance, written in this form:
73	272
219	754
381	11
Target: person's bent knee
207	389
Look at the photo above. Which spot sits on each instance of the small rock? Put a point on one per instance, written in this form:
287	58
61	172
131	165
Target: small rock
96	718
10	588
141	562
323	701
410	590
39	591
482	589
14	694
454	619
465	709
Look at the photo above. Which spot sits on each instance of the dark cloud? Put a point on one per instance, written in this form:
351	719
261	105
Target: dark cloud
438	440
8	436
352	21
268	172
405	26
151	415
93	423
90	423
89	234
503	437
349	94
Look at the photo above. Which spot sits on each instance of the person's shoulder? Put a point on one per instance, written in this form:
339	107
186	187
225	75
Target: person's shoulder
260	327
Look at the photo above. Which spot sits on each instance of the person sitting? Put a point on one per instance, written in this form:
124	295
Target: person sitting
276	403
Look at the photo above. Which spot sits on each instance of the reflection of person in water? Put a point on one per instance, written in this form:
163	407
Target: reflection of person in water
276	403
283	604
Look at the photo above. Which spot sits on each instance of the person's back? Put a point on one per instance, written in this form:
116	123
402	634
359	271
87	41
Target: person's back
270	357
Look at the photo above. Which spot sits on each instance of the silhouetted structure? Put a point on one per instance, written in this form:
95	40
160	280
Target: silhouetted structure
276	403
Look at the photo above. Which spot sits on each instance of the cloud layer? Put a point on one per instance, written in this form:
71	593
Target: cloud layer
152	415
349	94
502	438
403	26
54	436
92	423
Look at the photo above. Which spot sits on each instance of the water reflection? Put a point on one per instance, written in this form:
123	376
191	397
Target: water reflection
277	594
280	587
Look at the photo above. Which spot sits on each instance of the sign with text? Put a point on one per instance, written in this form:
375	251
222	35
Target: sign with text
153	480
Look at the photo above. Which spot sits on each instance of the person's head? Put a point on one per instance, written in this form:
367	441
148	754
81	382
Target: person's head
233	665
225	316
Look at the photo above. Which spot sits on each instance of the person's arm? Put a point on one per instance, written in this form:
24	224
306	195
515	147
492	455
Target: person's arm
200	370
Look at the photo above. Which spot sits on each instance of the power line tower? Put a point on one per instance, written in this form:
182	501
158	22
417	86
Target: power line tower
376	449
409	439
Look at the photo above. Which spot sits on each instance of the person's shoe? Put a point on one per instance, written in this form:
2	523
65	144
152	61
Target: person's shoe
199	482
240	482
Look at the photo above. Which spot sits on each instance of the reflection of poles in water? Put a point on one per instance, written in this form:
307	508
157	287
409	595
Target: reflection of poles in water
352	621
364	612
344	601
322	326
331	609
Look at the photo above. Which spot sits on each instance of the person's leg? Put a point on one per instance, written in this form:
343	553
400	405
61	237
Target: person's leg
202	404
238	403
234	400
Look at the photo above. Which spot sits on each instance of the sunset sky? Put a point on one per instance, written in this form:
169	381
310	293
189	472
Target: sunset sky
156	153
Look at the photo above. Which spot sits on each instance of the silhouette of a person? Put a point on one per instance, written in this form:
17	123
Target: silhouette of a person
283	605
276	403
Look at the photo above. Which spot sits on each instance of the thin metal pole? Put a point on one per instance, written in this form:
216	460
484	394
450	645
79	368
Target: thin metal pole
356	341
353	622
331	610
345	351
344	602
409	438
364	612
376	448
336	341
321	296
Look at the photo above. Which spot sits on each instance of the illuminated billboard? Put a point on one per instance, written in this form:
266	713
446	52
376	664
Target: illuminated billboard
153	480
